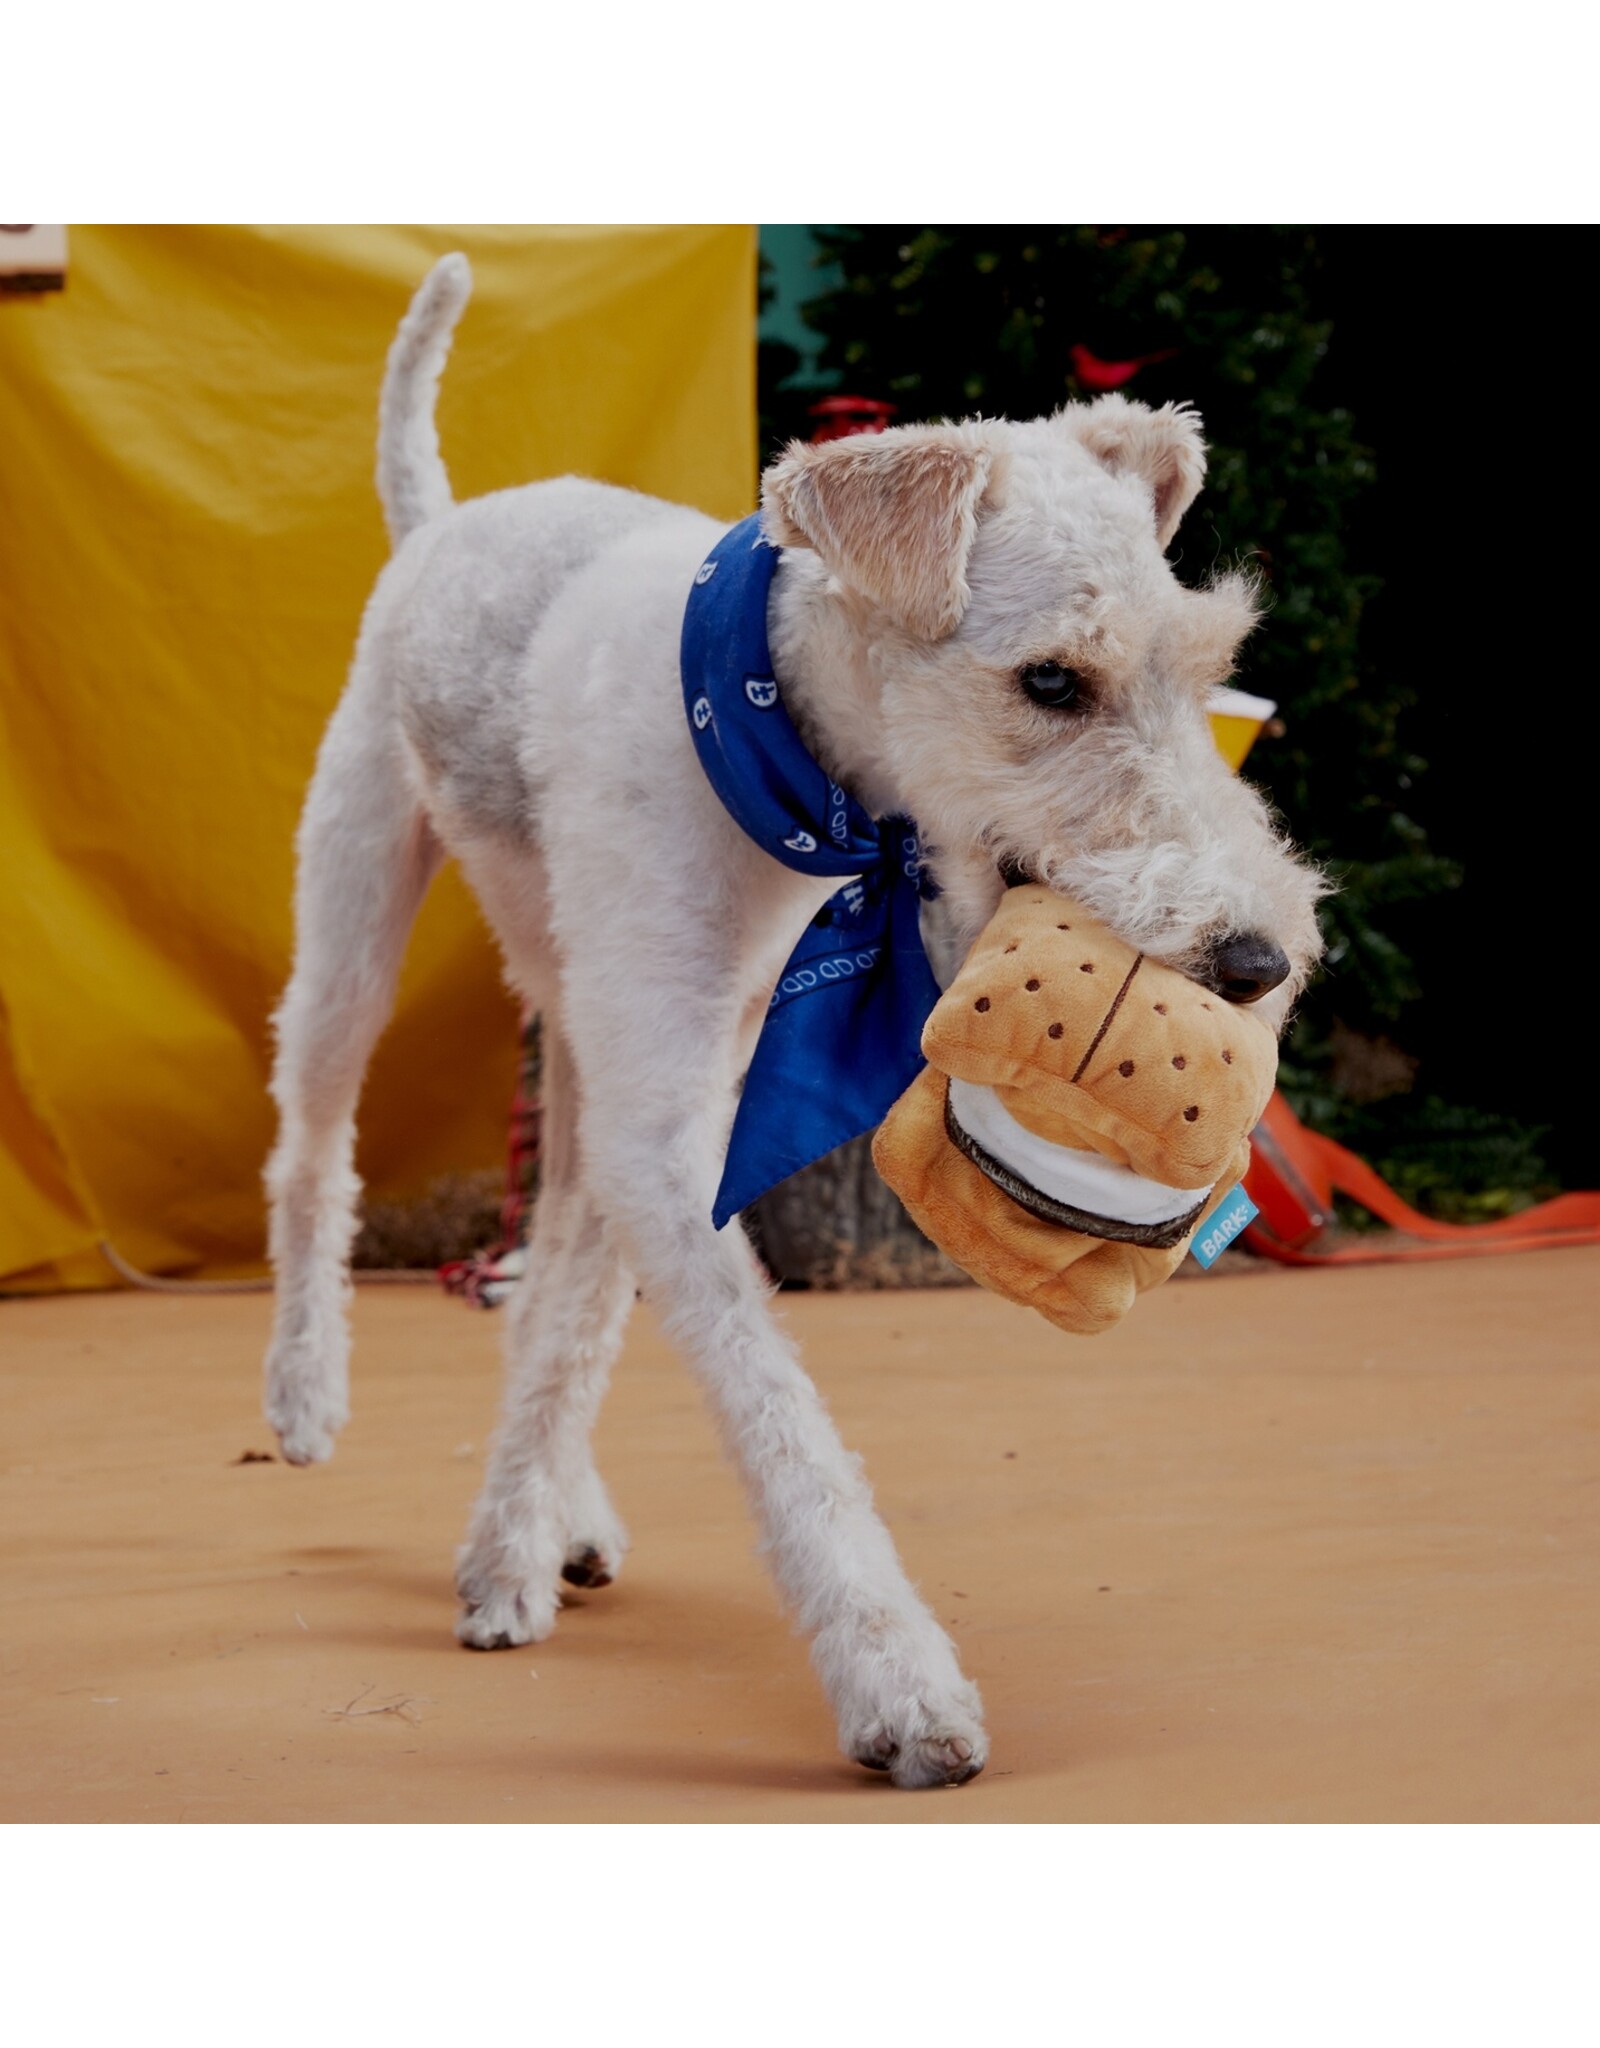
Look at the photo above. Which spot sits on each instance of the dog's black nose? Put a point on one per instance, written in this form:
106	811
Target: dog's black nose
1244	966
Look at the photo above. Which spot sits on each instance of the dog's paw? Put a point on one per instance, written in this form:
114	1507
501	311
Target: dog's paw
306	1413
599	1541
904	1706
507	1595
305	1445
502	1618
588	1565
947	1757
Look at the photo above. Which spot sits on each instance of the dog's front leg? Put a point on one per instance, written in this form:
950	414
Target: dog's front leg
890	1672
543	1514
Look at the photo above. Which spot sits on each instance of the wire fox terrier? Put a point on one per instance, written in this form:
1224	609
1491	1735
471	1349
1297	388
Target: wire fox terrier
976	628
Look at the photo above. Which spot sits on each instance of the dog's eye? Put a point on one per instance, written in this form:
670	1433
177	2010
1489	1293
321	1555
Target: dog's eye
1048	683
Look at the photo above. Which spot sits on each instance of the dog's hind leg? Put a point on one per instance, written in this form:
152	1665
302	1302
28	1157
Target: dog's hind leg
543	1514
366	857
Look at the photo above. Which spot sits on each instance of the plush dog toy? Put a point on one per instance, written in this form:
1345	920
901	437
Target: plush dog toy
1083	1112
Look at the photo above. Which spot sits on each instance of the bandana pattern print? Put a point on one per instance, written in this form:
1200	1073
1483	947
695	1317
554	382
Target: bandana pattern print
842	1036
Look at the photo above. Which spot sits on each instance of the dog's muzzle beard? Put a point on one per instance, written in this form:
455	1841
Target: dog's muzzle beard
1128	1190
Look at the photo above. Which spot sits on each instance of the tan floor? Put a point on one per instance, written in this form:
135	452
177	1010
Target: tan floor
1285	1546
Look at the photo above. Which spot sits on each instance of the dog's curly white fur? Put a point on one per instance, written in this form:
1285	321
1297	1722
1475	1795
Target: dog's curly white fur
514	702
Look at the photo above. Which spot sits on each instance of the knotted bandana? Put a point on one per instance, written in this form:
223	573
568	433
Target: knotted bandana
842	1036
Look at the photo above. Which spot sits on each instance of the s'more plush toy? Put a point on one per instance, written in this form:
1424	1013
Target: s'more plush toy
1083	1121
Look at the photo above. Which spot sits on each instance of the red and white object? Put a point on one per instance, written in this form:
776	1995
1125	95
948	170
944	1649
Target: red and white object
1295	1174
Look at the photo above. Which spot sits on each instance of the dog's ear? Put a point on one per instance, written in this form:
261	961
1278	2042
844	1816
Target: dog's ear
1167	448
892	515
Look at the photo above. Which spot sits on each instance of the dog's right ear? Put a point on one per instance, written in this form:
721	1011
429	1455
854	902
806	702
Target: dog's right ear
893	515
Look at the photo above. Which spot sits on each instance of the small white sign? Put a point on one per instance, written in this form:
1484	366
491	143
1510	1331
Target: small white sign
32	258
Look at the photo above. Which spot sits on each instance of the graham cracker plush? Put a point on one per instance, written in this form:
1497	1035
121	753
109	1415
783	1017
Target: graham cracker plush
1082	1112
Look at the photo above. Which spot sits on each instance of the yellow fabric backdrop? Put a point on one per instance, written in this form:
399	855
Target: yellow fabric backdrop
188	531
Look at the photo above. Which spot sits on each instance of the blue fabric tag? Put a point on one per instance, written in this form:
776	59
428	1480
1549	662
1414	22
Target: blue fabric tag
1221	1227
842	1037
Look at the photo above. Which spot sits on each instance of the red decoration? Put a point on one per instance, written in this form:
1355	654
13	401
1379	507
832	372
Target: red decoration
1098	375
845	414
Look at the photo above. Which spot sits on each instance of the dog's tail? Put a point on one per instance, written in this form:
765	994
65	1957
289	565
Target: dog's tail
412	481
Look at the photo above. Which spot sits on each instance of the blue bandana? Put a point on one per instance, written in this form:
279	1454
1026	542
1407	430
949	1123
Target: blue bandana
842	1036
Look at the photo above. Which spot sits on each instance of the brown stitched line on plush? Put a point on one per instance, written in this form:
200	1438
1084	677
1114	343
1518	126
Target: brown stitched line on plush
1110	1017
1151	1236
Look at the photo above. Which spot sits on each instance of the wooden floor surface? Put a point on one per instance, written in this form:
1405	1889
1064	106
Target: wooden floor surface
1285	1546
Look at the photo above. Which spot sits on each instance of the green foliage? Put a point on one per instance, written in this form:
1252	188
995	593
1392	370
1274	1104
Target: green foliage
952	322
779	413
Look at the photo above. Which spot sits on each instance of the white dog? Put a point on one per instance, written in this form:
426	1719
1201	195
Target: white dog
974	626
